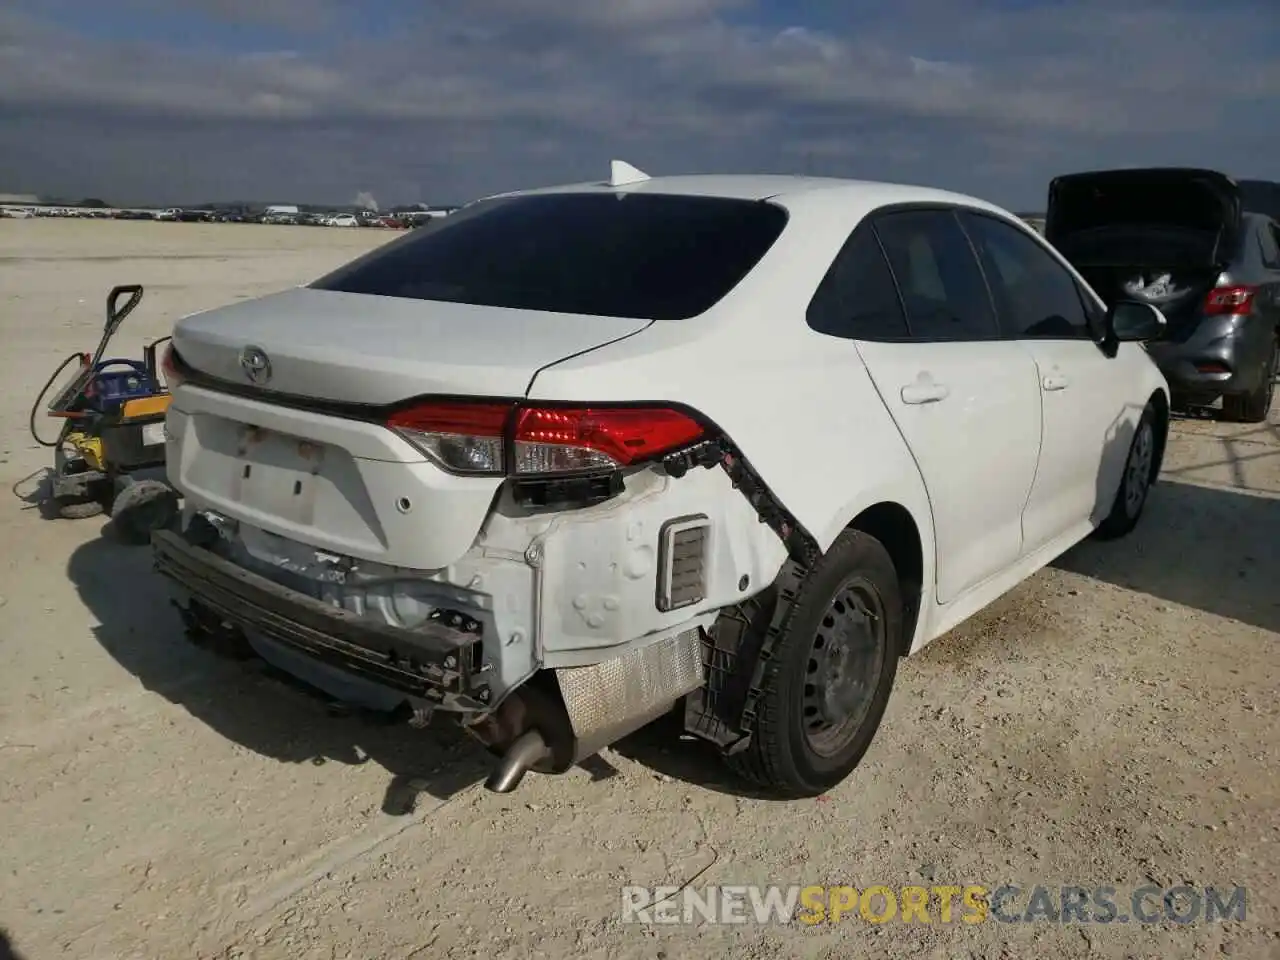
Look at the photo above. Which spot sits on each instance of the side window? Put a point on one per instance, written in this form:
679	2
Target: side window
942	288
1269	238
857	298
1035	295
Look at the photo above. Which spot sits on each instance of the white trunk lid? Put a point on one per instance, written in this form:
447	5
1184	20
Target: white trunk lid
367	349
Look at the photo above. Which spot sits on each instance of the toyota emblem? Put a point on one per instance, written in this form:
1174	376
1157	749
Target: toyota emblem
256	364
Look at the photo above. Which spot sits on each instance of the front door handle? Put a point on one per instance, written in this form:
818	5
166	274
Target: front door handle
924	393
1055	381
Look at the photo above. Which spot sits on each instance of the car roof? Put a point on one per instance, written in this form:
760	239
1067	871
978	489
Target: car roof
872	193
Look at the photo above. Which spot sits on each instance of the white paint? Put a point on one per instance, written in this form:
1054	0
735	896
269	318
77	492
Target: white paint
1000	470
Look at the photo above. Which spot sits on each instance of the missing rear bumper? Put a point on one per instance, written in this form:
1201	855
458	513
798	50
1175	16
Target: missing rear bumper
438	661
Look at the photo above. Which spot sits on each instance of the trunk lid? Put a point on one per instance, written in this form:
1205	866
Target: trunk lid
1195	213
361	348
1164	235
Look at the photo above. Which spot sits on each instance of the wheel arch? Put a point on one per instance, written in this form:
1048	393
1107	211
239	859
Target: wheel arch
896	528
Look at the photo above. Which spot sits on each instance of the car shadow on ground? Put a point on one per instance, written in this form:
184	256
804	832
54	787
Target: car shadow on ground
7	952
664	748
250	704
1210	548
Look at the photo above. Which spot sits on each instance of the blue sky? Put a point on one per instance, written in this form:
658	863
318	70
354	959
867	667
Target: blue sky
185	101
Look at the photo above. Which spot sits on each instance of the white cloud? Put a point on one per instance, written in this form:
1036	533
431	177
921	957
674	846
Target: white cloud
467	95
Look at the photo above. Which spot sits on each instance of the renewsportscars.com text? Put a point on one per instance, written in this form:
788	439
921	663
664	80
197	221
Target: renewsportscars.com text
970	904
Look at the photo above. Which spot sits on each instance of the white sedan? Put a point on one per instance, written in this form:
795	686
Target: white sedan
577	456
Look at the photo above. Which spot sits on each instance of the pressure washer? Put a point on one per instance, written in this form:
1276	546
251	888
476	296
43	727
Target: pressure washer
109	455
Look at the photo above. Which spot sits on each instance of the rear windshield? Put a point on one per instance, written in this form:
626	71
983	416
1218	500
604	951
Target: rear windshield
636	255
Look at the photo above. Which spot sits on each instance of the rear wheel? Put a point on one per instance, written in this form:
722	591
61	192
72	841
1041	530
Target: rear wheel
826	686
1254	406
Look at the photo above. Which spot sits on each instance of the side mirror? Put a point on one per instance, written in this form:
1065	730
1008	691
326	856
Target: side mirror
1131	320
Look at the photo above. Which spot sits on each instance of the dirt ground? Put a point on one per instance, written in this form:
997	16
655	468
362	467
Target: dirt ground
1113	721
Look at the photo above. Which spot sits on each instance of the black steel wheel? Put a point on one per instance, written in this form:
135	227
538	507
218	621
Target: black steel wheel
846	658
826	686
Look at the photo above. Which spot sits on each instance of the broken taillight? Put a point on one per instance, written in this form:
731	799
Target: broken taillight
526	439
1236	300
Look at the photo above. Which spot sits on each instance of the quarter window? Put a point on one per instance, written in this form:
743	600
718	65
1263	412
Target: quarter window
1036	297
857	298
942	288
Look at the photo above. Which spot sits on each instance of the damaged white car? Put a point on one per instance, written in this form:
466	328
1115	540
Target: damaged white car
573	458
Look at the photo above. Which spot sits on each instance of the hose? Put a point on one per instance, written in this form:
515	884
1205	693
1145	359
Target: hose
35	407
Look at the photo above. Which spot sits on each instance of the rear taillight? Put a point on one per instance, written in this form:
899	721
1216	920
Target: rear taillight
572	439
541	440
1229	300
459	436
171	367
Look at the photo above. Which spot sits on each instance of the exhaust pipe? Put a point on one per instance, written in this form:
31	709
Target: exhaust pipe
528	749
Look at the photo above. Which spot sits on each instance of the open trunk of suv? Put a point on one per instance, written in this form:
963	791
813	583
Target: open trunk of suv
1160	235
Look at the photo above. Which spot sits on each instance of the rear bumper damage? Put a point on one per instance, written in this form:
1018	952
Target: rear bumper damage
437	662
555	636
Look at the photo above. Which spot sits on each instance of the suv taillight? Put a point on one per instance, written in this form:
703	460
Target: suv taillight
531	439
1229	300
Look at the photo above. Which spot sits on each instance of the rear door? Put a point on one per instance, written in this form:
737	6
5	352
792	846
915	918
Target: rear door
967	403
1087	421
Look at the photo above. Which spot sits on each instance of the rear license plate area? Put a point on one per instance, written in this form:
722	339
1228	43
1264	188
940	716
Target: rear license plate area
278	474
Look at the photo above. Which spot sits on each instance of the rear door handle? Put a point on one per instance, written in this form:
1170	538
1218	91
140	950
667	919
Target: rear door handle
1055	381
924	393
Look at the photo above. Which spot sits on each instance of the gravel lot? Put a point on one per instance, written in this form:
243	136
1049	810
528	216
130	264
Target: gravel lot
1113	721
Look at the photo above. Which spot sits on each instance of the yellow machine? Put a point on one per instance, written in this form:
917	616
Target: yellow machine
110	453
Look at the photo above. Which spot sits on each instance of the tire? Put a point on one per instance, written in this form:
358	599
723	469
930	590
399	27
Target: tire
76	508
1140	469
796	749
141	508
1253	407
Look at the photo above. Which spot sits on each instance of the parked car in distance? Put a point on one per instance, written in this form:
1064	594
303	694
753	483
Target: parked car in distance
732	444
1183	240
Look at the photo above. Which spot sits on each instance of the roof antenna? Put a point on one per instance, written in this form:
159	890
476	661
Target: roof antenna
622	173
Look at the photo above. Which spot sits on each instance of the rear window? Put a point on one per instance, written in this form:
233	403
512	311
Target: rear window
635	255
